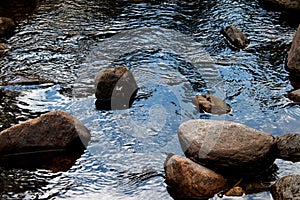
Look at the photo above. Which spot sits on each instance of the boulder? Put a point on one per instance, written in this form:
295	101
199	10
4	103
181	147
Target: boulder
294	96
288	146
286	188
236	37
115	88
7	26
37	140
187	179
211	104
293	59
227	147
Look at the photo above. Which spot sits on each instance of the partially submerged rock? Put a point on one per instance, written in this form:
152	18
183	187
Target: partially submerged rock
236	37
187	179
211	104
35	142
227	147
115	88
288	147
7	26
293	59
294	96
286	188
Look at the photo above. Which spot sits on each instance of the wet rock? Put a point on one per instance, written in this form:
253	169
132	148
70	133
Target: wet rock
36	141
236	37
286	188
211	104
7	26
235	191
227	147
115	88
288	146
187	179
294	96
3	48
285	4
293	59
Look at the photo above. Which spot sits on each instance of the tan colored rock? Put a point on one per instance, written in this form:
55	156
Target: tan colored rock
293	59
52	133
115	88
235	191
187	179
286	188
211	104
288	146
227	147
294	96
236	37
7	26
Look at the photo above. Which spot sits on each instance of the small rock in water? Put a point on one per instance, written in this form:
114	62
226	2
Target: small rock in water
34	142
227	147
293	59
7	26
235	191
211	104
294	96
115	88
288	146
187	179
236	37
286	188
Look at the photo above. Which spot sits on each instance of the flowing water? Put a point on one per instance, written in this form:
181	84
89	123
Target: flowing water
175	50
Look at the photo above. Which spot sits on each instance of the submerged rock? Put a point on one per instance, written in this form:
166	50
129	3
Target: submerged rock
294	96
236	37
286	188
36	141
7	26
293	59
211	104
227	147
115	88
288	146
187	179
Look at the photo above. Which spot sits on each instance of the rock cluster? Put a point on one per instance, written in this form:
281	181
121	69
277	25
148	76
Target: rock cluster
115	88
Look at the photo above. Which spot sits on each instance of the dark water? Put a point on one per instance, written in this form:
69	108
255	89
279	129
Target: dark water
175	51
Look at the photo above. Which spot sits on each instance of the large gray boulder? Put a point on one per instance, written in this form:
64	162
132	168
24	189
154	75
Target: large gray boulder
286	188
227	147
7	26
187	179
115	88
50	134
293	59
288	147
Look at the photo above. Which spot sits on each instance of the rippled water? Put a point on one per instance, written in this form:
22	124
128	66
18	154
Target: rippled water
175	51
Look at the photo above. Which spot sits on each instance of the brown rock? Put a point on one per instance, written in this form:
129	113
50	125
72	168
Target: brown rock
7	26
236	37
294	96
288	146
293	59
286	4
3	47
187	179
227	147
50	134
115	88
286	188
235	191
211	104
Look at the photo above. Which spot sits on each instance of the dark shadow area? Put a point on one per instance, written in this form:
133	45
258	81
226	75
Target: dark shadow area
17	9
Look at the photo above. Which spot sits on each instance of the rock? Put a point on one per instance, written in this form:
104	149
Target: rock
187	179
286	188
286	4
236	37
3	47
288	147
115	88
293	59
235	191
211	104
227	147
37	140
294	96
7	26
